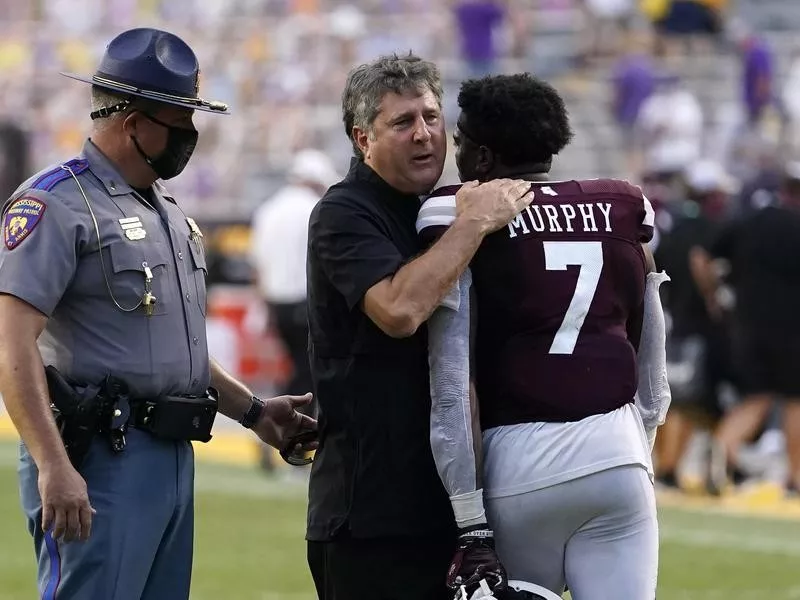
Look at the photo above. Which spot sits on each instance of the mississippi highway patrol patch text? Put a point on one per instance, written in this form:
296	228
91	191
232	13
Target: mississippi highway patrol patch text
20	220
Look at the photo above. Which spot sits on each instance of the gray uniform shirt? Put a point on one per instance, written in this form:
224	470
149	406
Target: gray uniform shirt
54	259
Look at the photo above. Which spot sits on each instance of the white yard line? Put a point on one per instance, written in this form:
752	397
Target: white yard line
792	593
729	540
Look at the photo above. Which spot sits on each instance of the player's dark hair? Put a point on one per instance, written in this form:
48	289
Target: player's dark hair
520	117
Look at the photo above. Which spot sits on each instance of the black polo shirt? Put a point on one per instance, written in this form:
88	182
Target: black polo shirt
373	474
764	252
689	227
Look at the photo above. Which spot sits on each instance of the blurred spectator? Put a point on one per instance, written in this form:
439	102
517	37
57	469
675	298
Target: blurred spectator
697	350
606	23
669	129
634	78
760	189
790	102
14	157
688	24
757	73
227	249
348	25
655	10
763	250
476	21
279	239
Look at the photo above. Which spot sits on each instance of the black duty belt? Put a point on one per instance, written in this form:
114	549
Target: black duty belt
82	412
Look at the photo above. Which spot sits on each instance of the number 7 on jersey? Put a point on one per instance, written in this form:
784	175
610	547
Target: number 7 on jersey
589	257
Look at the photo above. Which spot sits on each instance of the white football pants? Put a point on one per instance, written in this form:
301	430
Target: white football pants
597	534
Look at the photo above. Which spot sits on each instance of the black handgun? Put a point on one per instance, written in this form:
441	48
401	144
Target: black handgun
78	415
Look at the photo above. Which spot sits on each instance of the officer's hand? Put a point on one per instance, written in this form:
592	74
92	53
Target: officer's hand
280	421
65	503
475	562
492	205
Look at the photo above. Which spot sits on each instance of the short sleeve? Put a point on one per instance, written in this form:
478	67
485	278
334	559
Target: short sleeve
647	224
39	256
352	249
436	214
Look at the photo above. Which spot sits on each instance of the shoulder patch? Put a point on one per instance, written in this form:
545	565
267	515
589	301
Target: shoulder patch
47	181
20	220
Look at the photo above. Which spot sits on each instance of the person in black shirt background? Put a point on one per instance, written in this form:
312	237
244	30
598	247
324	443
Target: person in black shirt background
698	354
763	251
15	159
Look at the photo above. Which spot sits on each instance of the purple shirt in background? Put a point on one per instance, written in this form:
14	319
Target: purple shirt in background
634	81
476	20
757	61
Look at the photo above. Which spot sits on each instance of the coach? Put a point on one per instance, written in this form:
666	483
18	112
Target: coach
379	521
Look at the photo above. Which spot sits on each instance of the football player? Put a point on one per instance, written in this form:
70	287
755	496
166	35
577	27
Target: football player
557	333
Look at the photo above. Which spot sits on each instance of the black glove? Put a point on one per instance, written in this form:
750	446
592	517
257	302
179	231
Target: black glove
475	560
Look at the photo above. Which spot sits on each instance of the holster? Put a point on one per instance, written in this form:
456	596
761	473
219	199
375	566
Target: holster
78	414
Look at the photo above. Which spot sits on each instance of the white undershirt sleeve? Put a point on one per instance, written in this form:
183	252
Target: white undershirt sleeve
451	420
653	396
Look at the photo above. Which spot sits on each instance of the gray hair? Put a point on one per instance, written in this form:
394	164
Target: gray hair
367	85
105	98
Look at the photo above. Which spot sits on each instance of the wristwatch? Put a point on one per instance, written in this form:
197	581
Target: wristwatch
253	413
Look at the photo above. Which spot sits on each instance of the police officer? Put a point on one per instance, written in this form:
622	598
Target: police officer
101	266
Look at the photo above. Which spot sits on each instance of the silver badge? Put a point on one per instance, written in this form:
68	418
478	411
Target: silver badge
196	233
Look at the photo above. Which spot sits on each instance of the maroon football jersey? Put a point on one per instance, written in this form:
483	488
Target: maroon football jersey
559	300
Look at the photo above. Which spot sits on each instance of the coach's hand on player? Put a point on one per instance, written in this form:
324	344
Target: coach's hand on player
66	511
280	422
476	560
492	205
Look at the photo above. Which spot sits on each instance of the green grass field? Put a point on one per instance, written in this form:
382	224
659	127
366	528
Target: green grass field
249	545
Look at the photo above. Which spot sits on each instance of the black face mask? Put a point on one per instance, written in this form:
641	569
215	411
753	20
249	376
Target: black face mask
180	146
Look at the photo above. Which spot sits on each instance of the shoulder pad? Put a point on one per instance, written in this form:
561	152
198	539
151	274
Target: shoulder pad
610	186
51	178
447	190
